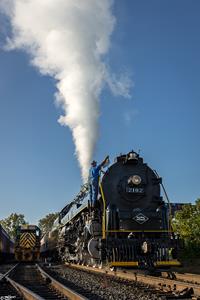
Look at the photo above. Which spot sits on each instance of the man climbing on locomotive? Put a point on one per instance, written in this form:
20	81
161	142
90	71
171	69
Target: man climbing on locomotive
94	174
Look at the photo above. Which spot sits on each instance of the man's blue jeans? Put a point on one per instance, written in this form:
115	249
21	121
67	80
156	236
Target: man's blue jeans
94	189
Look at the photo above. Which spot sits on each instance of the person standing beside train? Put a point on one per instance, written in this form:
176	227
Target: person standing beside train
94	174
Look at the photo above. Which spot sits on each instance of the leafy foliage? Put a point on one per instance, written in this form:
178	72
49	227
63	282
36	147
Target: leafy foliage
187	225
11	223
46	223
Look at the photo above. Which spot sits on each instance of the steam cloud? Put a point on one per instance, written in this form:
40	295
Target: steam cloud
68	39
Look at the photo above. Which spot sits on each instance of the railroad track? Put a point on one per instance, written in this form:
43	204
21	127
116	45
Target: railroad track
185	277
156	286
42	285
80	283
7	290
97	284
4	268
30	282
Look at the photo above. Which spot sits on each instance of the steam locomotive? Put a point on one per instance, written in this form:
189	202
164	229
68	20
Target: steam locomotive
129	228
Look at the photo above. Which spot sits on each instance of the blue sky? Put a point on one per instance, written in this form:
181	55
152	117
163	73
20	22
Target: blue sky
158	43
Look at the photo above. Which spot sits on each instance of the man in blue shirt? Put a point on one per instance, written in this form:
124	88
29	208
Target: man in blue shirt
94	174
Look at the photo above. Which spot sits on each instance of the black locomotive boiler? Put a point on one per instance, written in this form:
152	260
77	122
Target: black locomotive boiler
131	225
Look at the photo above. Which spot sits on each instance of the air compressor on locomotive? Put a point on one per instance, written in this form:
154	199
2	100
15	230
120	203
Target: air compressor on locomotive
129	228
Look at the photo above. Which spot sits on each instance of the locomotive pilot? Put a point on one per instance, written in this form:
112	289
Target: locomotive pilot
94	174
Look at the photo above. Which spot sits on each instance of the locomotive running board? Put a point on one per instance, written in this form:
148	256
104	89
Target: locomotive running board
136	264
124	264
167	263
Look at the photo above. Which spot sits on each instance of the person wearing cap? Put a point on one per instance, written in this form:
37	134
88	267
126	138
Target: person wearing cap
94	174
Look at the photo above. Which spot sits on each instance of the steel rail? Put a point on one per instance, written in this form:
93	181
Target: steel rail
60	287
26	293
8	272
187	277
161	283
23	291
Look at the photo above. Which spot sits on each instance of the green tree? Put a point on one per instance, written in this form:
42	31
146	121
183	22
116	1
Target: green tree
187	225
46	223
11	223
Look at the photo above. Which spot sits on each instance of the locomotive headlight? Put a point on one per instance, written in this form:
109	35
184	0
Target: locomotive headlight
135	179
132	155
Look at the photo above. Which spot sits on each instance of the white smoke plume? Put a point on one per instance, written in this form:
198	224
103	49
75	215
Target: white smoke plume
68	39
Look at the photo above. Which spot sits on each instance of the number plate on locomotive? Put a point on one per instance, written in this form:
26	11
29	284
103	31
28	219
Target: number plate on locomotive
135	190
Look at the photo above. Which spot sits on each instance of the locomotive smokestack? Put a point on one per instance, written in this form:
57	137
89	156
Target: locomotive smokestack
67	39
